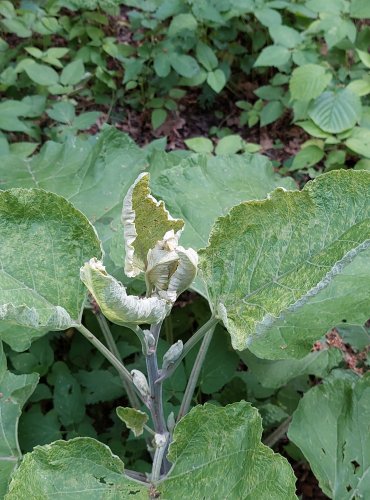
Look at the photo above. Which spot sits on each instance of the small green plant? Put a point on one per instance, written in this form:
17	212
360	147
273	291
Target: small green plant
269	266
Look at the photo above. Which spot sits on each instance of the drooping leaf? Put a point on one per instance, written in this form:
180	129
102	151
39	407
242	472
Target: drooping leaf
336	112
115	304
15	390
145	222
134	419
44	241
283	271
213	443
81	467
336	441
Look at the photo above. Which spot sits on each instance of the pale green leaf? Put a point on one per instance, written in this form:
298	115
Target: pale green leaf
359	142
80	468
199	144
181	23
115	304
308	82
284	35
15	390
336	112
42	74
283	271
184	65
63	112
336	440
273	55
44	241
365	57
72	73
206	56
217	453
271	112
360	87
307	157
158	117
134	419
145	222
216	80
230	144
360	9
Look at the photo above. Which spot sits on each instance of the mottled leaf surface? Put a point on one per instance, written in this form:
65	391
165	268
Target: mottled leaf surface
336	440
202	188
43	242
80	468
283	271
15	390
217	453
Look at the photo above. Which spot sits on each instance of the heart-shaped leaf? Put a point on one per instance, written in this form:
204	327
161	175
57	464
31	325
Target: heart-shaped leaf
281	272
44	242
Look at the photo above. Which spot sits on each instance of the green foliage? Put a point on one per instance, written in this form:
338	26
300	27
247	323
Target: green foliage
336	443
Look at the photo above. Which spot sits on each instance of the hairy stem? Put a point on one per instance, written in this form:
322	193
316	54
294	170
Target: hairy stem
131	394
155	389
108	355
194	339
158	459
193	379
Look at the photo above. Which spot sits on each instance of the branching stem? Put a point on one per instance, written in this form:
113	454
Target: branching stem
194	339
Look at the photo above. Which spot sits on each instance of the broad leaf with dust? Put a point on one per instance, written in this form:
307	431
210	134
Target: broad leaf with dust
80	468
336	441
216	453
201	188
44	241
15	390
281	272
133	419
145	222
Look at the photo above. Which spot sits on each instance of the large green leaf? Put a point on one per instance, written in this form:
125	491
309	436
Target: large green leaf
201	188
44	242
283	271
80	468
209	443
336	441
217	453
308	81
94	176
336	112
15	390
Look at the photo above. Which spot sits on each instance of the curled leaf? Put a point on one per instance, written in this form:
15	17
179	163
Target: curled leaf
186	271
134	419
114	302
145	222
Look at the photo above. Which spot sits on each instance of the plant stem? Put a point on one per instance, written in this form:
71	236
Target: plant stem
131	394
194	339
158	460
155	389
108	355
278	433
192	382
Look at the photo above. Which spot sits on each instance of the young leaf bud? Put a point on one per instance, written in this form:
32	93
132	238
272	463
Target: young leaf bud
172	355
141	383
